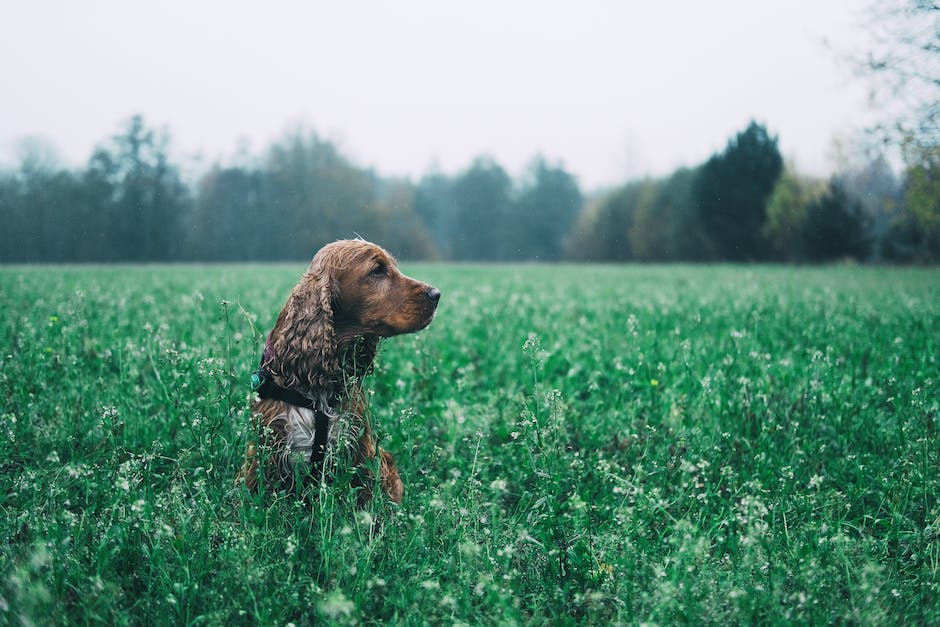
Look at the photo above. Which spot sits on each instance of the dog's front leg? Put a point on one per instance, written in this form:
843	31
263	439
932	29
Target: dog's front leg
389	479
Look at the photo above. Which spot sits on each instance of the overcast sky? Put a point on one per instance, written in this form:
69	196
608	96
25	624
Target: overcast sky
611	89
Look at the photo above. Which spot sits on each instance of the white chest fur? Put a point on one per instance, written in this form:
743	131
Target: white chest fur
301	430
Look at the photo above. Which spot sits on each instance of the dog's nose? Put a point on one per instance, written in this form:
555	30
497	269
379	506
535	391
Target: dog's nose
434	295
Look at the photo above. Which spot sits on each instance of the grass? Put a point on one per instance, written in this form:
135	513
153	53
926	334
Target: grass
580	444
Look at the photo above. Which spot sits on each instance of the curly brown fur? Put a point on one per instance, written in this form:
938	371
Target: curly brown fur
322	345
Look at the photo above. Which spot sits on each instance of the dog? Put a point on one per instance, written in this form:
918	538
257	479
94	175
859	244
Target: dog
309	401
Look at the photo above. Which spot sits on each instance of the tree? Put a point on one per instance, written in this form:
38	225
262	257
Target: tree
873	184
314	195
399	227
834	228
230	217
666	221
922	197
482	198
601	232
40	208
11	212
648	220
436	207
548	204
903	63
732	191
143	199
786	213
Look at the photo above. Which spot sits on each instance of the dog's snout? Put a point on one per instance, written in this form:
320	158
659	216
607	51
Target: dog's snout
433	294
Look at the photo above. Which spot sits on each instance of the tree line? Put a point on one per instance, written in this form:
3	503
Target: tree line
131	203
745	204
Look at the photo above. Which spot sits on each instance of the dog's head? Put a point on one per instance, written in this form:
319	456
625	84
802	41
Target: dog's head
370	295
352	289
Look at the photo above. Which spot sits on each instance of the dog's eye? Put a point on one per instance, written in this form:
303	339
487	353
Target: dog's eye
380	269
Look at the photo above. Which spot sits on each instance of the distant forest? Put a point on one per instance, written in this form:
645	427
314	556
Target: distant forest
744	204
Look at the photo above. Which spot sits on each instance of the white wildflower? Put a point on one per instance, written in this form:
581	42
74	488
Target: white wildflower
336	605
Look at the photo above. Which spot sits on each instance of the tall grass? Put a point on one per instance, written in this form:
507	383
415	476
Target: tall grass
580	444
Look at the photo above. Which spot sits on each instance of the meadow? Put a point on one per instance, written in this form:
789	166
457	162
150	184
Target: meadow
580	444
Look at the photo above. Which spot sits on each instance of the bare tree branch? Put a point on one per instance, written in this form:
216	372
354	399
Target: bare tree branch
903	65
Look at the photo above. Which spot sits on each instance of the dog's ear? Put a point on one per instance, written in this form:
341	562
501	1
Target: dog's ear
303	339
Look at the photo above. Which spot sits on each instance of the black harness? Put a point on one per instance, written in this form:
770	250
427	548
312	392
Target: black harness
263	383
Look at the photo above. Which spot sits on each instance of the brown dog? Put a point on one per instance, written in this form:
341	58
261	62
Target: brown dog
309	395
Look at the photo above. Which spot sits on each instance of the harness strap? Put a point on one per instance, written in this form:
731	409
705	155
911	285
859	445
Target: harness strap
265	387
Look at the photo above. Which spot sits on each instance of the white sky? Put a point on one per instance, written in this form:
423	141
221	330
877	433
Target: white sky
611	89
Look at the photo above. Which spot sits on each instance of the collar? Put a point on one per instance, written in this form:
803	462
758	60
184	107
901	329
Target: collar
264	386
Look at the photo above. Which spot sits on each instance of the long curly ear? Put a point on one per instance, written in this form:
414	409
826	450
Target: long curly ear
303	339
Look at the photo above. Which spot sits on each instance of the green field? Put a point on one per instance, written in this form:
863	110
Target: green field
579	444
